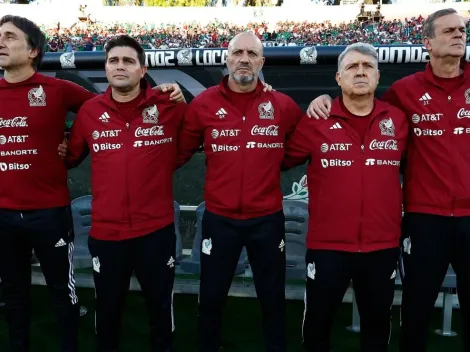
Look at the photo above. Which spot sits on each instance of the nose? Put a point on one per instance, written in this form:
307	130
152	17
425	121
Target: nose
360	71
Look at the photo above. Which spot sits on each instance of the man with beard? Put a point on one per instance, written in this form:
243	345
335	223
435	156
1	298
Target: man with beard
436	224
243	129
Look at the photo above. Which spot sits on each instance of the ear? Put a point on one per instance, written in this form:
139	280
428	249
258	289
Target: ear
427	44
33	53
144	71
338	78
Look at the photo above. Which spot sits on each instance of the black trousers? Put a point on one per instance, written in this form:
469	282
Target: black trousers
151	257
223	241
50	233
329	274
432	242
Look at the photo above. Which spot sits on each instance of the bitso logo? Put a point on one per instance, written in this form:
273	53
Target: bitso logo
335	163
13	166
427	132
106	146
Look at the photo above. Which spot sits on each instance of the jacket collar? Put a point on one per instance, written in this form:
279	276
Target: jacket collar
429	75
224	89
150	95
339	110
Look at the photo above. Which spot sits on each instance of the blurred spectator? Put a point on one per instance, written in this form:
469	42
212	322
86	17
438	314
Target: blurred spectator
93	36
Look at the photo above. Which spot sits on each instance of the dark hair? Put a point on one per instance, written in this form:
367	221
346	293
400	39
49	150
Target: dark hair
34	36
428	26
125	40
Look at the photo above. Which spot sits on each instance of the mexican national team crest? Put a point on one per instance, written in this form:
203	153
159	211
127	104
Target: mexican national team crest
387	128
150	114
266	111
467	96
37	97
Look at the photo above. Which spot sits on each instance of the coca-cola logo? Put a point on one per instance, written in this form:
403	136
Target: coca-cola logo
150	131
463	114
14	122
390	144
271	130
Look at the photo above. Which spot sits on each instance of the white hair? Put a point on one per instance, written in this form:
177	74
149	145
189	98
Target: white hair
362	48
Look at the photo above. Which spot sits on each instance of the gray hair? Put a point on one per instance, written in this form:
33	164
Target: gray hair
428	26
362	48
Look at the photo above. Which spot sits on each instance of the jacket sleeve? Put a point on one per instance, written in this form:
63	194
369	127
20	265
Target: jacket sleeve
297	149
191	136
74	95
391	96
77	146
294	114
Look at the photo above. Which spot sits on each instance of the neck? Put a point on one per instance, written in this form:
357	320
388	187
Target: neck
18	75
239	88
359	105
125	96
446	67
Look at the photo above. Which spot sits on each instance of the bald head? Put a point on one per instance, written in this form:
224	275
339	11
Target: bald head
246	39
245	60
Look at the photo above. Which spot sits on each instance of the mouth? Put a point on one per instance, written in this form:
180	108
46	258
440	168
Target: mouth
119	76
1	54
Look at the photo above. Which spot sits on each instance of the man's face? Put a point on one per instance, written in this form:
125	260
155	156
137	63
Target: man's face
245	60
123	68
14	47
449	37
358	74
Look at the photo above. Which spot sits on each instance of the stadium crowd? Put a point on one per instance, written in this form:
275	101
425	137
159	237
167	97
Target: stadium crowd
93	36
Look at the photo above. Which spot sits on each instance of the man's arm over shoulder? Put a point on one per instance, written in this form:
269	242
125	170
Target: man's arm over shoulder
74	96
77	146
394	93
298	143
191	134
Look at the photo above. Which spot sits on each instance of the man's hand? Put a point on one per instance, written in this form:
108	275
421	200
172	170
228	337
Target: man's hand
176	95
62	149
320	107
267	87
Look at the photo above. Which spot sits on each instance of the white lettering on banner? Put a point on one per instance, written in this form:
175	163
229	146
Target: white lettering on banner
19	152
12	139
402	54
106	146
427	132
378	162
335	163
105	134
271	130
14	122
463	114
159	58
390	144
426	117
211	57
224	133
150	131
224	148
13	166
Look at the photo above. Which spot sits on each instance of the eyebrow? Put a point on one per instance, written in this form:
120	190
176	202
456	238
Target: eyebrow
10	33
128	58
454	28
250	51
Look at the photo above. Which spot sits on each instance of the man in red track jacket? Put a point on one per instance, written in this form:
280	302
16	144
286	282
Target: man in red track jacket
355	203
436	225
34	199
131	133
243	130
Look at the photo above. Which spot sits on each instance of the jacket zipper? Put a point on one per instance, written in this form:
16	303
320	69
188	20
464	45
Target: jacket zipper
449	100
362	196
127	179
242	150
